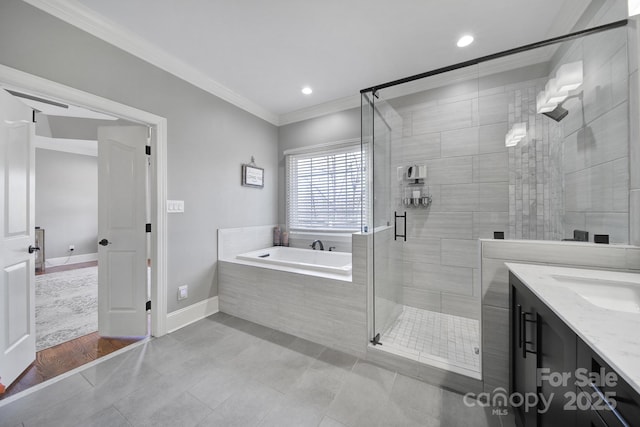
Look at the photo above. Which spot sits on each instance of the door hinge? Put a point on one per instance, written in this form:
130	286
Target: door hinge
148	305
33	116
147	149
148	228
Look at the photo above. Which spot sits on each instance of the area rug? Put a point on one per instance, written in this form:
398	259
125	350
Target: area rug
66	306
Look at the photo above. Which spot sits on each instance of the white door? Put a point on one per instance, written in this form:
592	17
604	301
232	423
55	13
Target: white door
17	233
122	257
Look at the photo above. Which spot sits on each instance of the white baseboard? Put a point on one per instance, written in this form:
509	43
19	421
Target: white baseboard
185	316
73	259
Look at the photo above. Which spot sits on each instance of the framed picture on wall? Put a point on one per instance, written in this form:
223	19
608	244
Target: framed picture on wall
252	176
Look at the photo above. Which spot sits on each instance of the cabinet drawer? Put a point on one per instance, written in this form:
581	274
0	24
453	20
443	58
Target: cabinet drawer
627	401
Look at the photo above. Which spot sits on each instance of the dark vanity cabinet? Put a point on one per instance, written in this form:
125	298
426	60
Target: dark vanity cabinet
550	361
542	349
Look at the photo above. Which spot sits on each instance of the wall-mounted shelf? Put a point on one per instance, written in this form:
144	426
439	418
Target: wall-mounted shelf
417	202
413	190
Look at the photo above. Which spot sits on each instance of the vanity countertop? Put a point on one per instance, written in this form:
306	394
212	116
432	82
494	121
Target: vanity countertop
601	307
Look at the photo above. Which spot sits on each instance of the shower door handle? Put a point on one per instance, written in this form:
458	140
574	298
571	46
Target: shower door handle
404	233
395	226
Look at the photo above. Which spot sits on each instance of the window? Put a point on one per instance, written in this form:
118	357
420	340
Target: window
325	189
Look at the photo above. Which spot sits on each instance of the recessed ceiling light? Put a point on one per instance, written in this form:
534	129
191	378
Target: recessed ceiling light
465	41
307	90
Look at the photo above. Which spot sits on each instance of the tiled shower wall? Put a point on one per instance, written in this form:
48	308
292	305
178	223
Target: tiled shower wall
458	132
596	138
478	185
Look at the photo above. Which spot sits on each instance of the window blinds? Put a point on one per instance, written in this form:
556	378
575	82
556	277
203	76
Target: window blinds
325	189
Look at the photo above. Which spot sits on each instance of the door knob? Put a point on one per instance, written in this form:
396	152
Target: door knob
104	242
32	249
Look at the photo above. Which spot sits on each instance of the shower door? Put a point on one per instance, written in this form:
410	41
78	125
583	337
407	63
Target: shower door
429	179
385	128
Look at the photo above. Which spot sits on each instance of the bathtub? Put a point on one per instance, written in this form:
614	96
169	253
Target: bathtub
307	259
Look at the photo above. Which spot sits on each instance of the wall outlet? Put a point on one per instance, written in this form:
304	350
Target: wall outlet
183	292
72	248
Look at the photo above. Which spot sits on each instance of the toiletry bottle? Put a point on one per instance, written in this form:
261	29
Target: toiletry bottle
285	238
276	236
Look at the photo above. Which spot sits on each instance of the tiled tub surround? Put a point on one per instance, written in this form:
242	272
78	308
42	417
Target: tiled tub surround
326	308
495	287
611	334
330	312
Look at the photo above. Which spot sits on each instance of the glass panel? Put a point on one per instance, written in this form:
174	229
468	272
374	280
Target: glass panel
387	253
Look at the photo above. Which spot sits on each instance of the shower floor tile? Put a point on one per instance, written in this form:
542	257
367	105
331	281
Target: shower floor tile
427	334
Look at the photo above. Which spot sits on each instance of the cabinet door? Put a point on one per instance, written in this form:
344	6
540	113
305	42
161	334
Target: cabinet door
523	347
608	384
556	355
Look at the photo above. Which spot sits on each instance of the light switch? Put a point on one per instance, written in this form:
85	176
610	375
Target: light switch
175	206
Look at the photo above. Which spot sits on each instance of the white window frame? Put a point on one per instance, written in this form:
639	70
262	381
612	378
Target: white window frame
321	150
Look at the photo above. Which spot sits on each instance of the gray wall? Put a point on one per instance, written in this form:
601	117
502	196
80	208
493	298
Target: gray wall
67	202
208	139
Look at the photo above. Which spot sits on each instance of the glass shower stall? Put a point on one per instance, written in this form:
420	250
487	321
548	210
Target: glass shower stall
522	145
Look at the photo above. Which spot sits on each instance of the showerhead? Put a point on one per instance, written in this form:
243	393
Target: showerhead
558	114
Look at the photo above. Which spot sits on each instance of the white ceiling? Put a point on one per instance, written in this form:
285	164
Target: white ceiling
264	52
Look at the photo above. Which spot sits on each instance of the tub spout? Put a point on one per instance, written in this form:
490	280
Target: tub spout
317	242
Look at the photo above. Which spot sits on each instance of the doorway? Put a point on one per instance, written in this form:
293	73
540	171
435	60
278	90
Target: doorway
66	218
157	177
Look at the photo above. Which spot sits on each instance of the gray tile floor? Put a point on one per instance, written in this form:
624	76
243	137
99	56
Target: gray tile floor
425	334
224	371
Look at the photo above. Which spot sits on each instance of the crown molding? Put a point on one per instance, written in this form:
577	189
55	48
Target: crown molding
335	106
74	13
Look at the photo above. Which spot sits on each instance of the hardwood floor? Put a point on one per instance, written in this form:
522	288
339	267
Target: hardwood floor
66	267
64	357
